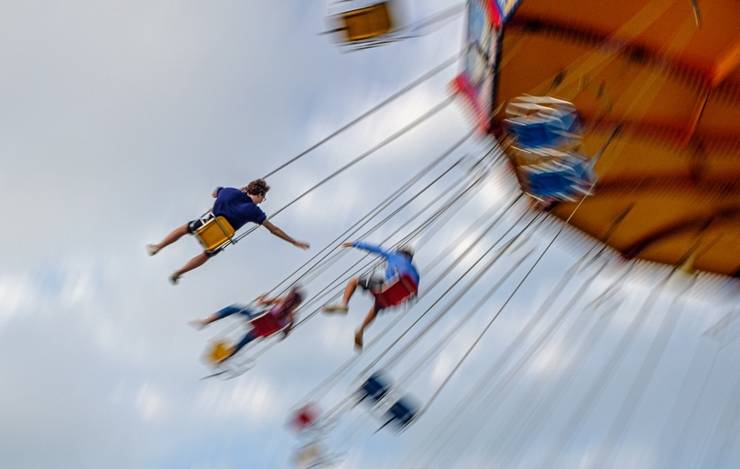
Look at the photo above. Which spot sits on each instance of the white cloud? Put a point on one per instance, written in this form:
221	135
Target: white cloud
257	400
150	404
336	333
77	289
16	292
548	361
495	191
442	367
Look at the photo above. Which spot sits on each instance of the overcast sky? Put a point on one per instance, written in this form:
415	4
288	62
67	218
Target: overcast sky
117	120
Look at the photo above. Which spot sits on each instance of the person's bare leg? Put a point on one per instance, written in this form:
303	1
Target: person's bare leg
349	290
193	263
220	314
365	323
176	234
201	323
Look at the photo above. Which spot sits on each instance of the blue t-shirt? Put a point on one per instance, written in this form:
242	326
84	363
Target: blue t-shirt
395	262
237	207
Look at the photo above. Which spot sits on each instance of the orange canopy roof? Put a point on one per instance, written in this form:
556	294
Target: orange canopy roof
669	182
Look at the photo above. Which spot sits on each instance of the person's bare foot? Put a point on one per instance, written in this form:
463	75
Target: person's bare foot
198	323
152	249
336	308
358	340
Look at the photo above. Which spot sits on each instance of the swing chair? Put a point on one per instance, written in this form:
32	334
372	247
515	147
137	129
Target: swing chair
264	324
312	455
304	418
371	23
308	420
559	176
215	232
396	292
365	24
541	121
544	130
312	430
215	355
377	390
401	414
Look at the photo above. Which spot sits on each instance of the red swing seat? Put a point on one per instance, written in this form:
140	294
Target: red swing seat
266	325
397	292
304	418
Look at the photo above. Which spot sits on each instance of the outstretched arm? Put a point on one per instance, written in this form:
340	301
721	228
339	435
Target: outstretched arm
283	235
371	248
265	300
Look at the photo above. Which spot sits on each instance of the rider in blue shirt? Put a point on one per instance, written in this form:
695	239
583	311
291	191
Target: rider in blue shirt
239	207
398	263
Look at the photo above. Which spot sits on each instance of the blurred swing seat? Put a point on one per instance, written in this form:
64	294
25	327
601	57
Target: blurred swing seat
401	413
266	325
375	388
215	232
541	121
366	23
560	179
218	352
397	292
304	418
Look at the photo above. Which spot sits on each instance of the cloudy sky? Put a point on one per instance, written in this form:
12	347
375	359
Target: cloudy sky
117	120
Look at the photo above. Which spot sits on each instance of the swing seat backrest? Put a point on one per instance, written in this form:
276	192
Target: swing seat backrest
217	352
304	418
375	388
542	121
542	131
533	134
560	179
362	24
215	232
309	456
266	325
401	413
396	292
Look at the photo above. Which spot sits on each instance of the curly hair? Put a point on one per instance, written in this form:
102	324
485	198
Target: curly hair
407	251
257	187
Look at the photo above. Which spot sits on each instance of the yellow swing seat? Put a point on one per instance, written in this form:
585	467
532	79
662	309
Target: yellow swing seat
362	24
215	232
217	352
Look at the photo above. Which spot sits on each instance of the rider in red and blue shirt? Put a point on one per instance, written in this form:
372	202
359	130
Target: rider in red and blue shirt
398	264
283	311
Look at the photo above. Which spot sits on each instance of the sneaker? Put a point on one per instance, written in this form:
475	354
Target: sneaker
151	249
174	278
337	308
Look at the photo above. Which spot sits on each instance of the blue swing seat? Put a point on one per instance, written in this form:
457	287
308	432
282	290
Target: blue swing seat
560	179
540	132
376	387
401	413
541	121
